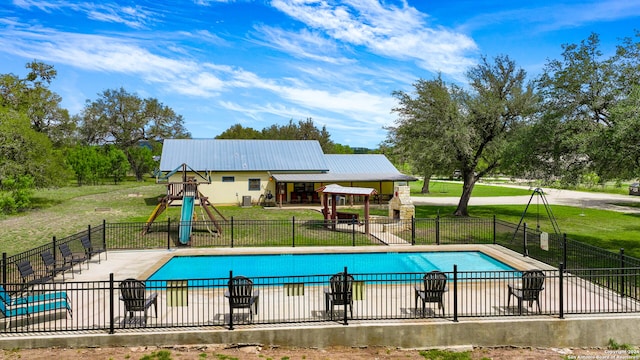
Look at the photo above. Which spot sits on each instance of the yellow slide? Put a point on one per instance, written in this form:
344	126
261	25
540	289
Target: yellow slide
162	205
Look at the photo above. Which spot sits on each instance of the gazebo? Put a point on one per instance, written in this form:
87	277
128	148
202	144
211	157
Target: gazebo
334	191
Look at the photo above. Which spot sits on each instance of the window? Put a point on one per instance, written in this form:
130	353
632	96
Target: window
228	178
254	184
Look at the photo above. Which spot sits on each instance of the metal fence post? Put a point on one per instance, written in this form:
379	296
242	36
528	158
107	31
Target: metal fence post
622	275
494	229
232	231
413	230
561	291
53	248
168	233
353	230
525	252
344	296
455	293
4	269
231	294
104	234
112	319
89	232
293	231
438	229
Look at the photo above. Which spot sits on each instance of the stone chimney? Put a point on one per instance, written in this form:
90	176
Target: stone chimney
400	206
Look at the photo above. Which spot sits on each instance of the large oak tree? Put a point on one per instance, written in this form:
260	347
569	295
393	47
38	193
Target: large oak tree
468	128
127	121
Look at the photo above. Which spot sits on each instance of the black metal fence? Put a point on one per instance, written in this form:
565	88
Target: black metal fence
98	305
599	281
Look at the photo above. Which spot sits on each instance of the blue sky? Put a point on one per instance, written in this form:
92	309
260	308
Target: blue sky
264	62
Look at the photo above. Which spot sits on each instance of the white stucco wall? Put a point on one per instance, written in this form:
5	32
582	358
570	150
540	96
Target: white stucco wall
231	193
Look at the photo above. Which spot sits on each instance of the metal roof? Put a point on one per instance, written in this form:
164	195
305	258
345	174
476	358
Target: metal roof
351	167
342	190
243	155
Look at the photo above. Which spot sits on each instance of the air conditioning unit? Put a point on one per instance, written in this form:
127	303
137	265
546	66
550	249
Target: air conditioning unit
246	201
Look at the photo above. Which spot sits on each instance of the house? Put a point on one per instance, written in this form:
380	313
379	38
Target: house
270	171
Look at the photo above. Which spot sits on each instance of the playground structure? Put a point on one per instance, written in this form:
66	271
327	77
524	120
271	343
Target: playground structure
187	192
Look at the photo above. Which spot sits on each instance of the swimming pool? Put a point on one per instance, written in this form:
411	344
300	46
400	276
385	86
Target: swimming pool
218	266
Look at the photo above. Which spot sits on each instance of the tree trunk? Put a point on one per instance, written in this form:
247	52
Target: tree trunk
425	184
467	188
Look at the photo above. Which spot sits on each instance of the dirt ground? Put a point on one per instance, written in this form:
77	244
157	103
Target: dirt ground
223	352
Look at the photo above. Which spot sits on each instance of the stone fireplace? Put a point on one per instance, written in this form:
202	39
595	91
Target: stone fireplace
400	206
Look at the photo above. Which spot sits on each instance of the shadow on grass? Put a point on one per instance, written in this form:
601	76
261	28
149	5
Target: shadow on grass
153	200
43	203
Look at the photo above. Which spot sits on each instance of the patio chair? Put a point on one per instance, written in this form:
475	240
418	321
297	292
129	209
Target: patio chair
91	250
241	295
52	266
29	276
434	285
531	286
340	292
133	294
71	259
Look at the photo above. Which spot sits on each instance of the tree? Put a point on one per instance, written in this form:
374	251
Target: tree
31	96
125	120
237	131
141	159
26	152
625	137
118	164
15	193
467	129
303	130
88	164
577	133
420	136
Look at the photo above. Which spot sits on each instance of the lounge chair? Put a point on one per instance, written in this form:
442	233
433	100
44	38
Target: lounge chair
241	295
91	250
71	259
29	276
529	290
46	304
9	300
133	294
340	292
434	285
52	266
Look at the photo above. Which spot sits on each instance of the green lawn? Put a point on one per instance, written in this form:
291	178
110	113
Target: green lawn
607	229
62	212
454	189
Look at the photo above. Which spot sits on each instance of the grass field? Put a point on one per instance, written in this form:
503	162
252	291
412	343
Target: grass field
65	211
454	189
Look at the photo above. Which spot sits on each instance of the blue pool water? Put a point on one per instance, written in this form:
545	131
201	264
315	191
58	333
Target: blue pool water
218	266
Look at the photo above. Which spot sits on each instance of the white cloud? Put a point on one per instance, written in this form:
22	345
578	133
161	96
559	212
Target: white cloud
288	98
135	17
46	6
303	44
395	32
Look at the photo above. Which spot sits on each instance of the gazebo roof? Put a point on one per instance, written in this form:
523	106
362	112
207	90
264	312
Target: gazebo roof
344	190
